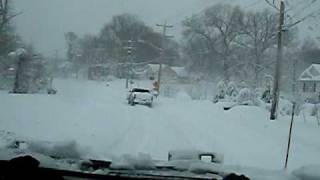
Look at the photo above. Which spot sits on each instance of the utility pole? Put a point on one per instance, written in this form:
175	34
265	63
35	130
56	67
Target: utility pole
55	67
275	93
164	37
129	52
56	59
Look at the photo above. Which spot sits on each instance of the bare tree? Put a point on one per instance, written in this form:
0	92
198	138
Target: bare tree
8	39
219	27
6	15
110	44
260	28
122	28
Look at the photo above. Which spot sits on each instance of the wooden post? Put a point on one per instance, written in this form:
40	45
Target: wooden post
289	140
159	77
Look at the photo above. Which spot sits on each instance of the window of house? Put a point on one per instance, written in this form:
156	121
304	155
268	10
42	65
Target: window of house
309	87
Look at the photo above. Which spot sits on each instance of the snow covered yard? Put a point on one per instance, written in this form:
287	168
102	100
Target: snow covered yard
98	118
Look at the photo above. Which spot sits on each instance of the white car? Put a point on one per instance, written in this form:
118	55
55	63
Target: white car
140	96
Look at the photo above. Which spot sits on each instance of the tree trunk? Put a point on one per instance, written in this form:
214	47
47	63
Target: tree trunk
21	84
257	72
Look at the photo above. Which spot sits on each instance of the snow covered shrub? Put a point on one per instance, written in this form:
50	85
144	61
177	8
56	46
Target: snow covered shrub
221	91
221	87
245	96
285	106
242	85
309	109
266	96
232	89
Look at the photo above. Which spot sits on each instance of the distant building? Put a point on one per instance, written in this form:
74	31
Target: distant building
99	72
182	74
168	73
152	71
310	83
138	71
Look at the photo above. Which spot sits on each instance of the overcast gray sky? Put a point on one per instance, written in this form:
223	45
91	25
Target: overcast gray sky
44	22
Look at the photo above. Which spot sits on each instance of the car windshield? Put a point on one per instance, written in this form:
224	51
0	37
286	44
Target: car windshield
144	83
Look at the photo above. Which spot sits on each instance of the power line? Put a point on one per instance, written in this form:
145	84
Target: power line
272	4
300	11
310	15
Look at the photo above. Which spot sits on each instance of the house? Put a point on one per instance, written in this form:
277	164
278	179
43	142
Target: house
167	72
99	72
182	74
140	71
152	71
310	83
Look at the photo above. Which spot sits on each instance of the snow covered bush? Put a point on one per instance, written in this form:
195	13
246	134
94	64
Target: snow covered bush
221	87
285	106
266	96
309	109
232	89
245	96
221	91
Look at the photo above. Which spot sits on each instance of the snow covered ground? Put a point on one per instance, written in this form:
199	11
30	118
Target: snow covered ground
99	119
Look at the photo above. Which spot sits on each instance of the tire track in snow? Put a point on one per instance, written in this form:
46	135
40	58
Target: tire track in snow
129	139
150	131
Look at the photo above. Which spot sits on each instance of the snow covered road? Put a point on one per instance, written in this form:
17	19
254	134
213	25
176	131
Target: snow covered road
98	117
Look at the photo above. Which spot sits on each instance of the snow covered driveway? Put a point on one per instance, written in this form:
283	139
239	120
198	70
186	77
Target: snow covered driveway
98	117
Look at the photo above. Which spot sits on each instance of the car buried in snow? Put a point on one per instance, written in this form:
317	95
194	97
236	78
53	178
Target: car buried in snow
140	96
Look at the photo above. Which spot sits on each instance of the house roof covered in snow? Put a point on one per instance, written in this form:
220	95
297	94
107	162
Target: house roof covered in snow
180	71
312	73
154	67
